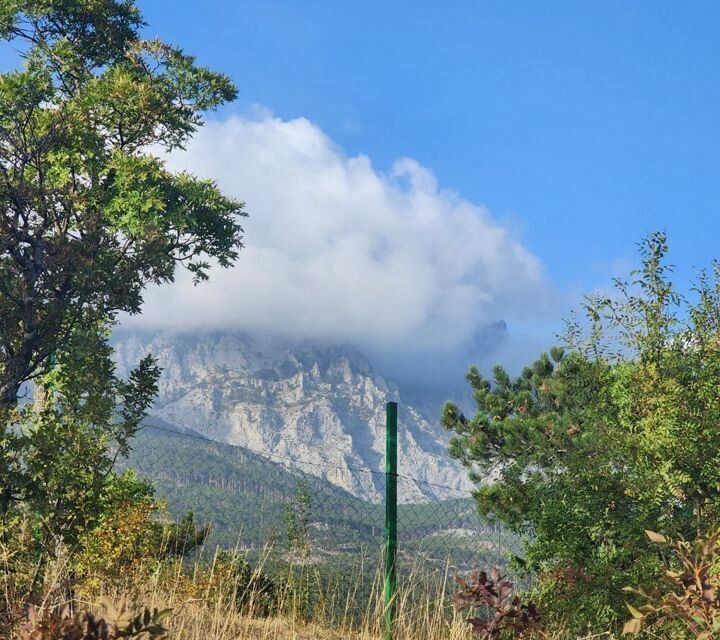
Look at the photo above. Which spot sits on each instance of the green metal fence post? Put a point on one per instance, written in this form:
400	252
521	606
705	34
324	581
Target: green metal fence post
390	516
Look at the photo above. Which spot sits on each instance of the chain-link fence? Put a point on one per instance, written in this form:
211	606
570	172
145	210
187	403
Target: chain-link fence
284	509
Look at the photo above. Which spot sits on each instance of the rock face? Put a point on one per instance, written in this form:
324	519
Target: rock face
319	408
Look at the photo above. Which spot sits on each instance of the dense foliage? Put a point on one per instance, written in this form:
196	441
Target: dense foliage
90	216
599	441
686	602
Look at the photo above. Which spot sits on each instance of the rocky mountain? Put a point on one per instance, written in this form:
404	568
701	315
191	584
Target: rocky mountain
317	407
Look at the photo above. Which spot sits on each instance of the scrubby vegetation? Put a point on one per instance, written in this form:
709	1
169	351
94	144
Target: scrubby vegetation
114	623
613	435
503	612
225	596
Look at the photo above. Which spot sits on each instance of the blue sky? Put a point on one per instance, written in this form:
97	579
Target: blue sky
585	125
417	171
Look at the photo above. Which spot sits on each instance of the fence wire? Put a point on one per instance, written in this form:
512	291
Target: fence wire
302	511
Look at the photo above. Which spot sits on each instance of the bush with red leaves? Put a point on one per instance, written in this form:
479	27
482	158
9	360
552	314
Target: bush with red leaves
497	609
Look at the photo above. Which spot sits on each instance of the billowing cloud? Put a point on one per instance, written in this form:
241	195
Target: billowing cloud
339	250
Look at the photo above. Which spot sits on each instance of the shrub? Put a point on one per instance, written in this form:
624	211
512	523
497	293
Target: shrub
572	602
610	435
17	568
118	541
688	594
251	589
504	612
115	623
130	534
178	539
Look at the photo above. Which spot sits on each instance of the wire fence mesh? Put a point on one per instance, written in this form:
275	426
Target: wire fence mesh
291	511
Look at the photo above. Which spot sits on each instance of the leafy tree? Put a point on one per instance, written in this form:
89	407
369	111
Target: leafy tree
296	516
178	539
90	216
63	446
609	436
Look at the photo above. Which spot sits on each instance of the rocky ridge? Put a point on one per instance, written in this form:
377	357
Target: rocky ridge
317	407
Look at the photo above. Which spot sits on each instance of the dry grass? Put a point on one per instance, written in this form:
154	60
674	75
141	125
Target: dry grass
337	614
205	607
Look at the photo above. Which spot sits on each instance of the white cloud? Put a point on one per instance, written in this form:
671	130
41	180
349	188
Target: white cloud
339	250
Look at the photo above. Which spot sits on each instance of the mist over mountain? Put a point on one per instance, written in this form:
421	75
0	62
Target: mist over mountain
338	250
320	407
428	378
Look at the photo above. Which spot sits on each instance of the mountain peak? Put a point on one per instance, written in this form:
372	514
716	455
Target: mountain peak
320	404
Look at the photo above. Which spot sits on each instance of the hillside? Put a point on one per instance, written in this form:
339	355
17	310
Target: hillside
323	405
244	495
